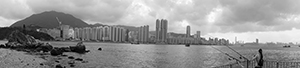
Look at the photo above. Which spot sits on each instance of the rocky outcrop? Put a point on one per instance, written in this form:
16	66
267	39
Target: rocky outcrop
18	37
21	42
45	47
79	48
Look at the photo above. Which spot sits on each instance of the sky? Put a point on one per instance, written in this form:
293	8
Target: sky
266	20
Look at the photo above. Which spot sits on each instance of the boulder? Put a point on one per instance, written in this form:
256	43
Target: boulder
2	46
70	57
79	59
13	45
79	48
65	49
59	66
99	49
56	51
19	37
45	47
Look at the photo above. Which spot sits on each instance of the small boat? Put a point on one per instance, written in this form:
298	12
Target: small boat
135	43
187	45
285	46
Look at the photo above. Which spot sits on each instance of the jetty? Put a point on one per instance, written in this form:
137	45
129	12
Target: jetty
267	64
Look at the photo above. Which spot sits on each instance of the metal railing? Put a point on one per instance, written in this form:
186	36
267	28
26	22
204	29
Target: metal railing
267	64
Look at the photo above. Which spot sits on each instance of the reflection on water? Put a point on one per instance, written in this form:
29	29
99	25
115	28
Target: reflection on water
171	56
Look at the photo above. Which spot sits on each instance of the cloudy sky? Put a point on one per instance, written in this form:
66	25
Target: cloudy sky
267	20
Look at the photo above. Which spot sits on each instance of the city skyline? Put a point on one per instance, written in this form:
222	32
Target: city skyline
270	21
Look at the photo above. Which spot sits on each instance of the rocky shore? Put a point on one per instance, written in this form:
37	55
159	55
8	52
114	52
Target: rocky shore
24	51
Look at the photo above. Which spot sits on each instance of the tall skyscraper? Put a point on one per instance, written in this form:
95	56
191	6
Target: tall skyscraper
147	33
143	34
161	30
164	30
257	41
188	31
198	34
157	34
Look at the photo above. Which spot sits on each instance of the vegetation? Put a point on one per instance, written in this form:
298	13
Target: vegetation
6	31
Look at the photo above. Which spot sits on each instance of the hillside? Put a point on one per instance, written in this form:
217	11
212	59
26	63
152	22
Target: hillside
48	20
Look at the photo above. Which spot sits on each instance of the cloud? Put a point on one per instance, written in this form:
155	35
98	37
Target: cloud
14	9
208	16
106	11
258	15
267	36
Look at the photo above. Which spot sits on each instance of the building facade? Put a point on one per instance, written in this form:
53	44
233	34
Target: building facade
102	33
143	34
161	31
188	31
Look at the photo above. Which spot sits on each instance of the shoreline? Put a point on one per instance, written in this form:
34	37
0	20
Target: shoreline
17	59
134	44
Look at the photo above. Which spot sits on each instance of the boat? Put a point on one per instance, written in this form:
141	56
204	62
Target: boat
285	46
187	45
135	43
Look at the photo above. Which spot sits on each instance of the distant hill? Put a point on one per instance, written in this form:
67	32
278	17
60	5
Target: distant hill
96	25
130	28
48	20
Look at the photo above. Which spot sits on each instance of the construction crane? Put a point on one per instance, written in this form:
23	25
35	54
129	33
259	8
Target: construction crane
61	30
58	21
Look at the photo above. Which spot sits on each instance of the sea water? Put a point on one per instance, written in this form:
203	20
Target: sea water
124	55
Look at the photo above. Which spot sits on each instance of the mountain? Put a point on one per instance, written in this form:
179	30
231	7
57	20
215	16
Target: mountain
130	28
96	25
48	20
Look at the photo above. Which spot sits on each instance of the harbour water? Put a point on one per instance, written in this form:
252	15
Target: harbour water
120	55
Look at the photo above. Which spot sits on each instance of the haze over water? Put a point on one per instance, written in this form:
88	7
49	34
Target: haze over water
171	56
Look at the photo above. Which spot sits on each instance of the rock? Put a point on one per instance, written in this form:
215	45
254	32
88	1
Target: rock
41	64
79	48
71	62
84	61
71	57
45	47
64	55
72	65
55	52
13	45
65	49
2	46
59	66
57	61
19	37
79	59
99	49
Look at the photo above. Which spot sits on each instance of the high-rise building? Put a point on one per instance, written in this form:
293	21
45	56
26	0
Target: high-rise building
188	31
164	30
147	33
161	30
143	34
106	33
257	41
158	29
198	34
